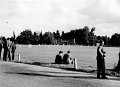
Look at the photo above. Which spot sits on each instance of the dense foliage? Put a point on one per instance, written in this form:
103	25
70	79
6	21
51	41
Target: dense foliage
83	36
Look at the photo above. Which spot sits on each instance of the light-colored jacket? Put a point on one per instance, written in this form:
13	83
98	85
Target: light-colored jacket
9	45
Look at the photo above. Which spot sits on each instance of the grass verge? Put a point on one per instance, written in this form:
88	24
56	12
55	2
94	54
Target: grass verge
109	72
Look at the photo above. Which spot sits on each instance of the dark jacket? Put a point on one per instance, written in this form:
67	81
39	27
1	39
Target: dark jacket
58	59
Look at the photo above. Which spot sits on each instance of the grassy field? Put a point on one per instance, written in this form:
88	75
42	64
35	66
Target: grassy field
86	55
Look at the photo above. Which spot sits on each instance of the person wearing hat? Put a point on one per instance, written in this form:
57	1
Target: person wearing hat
101	61
59	58
67	58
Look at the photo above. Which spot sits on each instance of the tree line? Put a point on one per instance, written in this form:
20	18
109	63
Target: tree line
82	36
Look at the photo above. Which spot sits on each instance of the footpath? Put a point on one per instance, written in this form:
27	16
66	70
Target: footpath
24	75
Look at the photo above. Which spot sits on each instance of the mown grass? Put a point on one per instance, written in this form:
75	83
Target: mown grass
44	55
70	67
85	55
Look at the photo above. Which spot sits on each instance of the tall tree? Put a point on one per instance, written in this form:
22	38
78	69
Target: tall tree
85	35
115	40
57	34
62	35
92	38
40	38
48	38
25	37
35	39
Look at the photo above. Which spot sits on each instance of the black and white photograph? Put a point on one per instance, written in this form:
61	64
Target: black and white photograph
59	43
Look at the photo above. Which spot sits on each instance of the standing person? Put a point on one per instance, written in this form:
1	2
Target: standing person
101	61
13	48
0	47
5	49
9	45
67	58
0	50
59	58
118	65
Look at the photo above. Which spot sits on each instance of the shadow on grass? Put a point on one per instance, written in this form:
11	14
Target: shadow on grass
58	76
68	67
109	72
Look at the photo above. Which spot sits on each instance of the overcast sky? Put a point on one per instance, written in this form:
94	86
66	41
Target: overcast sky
64	15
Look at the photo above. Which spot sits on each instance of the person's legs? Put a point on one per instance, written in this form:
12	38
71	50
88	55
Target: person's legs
70	61
9	56
0	52
13	54
5	55
118	67
103	70
98	68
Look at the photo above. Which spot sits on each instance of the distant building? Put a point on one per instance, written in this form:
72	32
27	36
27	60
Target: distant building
66	42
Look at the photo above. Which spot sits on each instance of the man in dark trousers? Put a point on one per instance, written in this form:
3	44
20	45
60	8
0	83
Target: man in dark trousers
118	65
101	61
0	47
59	58
5	49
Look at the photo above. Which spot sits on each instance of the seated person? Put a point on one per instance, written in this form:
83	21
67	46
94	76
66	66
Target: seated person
58	59
67	58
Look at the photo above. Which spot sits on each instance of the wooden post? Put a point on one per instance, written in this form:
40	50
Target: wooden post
75	63
18	57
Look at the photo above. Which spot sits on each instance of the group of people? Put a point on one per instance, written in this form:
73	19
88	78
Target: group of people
63	59
67	59
9	46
